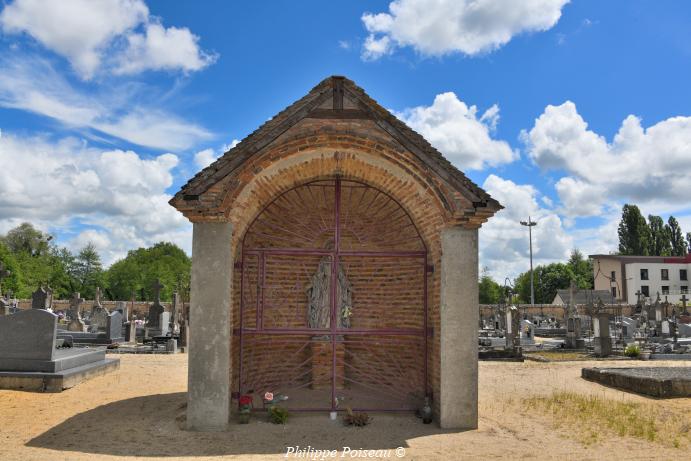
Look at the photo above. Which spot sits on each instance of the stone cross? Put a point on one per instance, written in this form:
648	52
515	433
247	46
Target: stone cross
97	297
157	286
75	302
4	273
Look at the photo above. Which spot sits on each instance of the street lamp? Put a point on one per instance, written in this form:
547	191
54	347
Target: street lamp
529	224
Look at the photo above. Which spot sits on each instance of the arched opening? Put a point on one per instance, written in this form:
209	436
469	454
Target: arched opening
331	304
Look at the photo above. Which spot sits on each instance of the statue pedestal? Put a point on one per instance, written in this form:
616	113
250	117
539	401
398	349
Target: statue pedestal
322	363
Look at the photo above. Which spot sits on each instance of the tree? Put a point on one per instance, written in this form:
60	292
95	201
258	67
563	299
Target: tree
676	237
548	279
489	289
634	233
659	243
9	263
138	270
26	238
582	270
688	241
88	271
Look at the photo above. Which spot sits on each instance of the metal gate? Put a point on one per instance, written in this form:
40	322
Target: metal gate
333	306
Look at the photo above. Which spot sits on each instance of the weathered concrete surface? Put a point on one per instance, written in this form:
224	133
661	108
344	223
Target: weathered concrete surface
654	381
208	395
58	381
459	321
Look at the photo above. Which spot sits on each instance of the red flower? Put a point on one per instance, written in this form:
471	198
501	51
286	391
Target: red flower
246	400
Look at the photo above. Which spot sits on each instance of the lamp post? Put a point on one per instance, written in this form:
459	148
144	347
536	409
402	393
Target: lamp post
529	224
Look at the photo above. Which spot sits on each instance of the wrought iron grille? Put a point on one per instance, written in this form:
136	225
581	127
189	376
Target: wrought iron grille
369	349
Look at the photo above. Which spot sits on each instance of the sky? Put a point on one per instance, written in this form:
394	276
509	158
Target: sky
562	110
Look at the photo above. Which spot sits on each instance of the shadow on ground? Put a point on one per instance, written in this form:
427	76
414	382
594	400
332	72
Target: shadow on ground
153	426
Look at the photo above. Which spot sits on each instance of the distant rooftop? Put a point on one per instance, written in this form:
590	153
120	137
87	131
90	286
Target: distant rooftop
646	259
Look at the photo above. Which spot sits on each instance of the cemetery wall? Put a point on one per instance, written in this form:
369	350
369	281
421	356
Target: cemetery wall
140	309
554	310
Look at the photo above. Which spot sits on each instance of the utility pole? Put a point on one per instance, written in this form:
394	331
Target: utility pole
529	224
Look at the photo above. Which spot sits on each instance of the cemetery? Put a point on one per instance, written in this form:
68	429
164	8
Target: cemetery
334	283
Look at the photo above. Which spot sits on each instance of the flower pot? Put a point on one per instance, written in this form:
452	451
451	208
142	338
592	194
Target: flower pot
244	418
645	356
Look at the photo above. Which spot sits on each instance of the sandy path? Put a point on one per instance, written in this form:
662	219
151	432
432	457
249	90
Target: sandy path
132	414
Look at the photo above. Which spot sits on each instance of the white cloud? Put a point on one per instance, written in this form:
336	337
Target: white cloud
504	245
33	85
438	27
206	157
91	32
163	48
456	131
645	166
119	195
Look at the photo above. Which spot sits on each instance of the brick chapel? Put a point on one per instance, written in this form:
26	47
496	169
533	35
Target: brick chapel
335	262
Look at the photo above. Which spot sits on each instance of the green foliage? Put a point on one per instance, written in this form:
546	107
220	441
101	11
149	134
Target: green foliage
34	261
141	267
632	350
490	290
87	271
556	276
12	282
659	243
634	233
676	237
278	415
652	238
25	238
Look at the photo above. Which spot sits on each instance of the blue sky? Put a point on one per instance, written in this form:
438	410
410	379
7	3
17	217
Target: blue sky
562	110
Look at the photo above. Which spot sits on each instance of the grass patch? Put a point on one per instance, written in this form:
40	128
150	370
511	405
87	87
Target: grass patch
557	356
593	418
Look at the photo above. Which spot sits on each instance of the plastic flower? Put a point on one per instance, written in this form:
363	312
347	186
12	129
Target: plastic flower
269	396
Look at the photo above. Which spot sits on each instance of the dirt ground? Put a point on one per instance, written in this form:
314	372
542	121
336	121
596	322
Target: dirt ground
136	413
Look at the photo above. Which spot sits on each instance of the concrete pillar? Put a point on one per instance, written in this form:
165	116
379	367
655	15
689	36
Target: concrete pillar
208	394
459	319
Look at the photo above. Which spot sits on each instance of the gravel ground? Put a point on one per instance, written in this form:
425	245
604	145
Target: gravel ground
137	413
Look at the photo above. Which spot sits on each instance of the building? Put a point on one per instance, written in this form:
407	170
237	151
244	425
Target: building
334	257
626	276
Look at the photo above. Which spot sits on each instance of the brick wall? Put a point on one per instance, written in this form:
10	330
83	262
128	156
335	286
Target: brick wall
140	309
387	293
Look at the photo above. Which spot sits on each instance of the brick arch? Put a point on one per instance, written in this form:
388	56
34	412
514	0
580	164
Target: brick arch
423	205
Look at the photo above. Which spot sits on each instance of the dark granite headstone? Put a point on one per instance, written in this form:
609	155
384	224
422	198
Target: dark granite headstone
156	309
39	299
28	335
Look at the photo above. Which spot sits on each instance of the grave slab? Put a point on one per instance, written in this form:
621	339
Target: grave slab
663	382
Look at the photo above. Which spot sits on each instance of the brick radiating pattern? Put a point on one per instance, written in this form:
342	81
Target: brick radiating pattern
387	293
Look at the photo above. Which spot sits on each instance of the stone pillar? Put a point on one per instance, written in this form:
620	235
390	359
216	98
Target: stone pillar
208	394
459	317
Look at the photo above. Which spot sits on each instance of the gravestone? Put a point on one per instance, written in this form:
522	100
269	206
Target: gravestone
99	314
513	329
29	335
121	306
114	330
76	324
684	299
156	309
658	313
39	299
665	328
602	342
164	322
573	323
